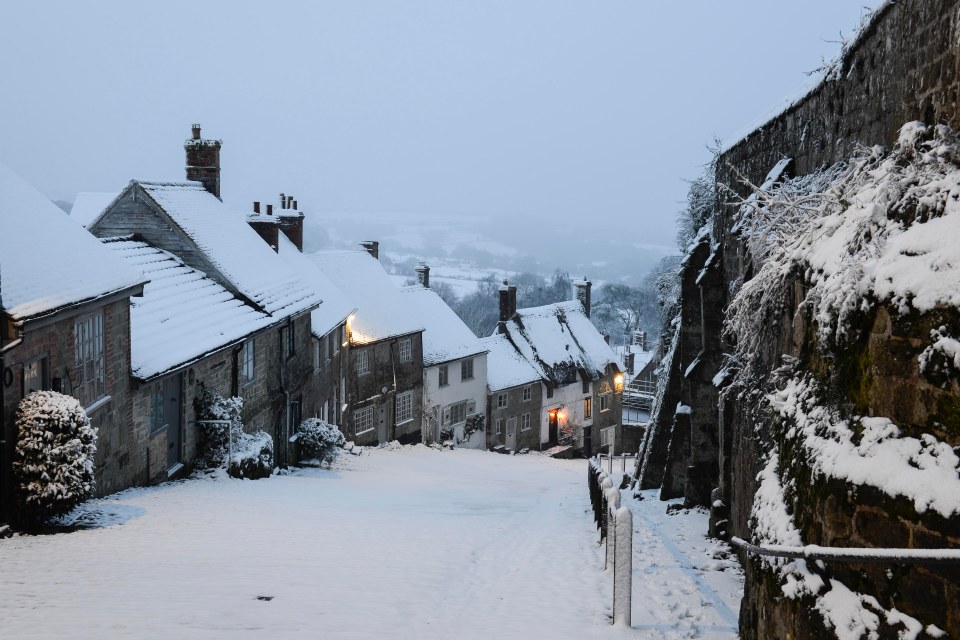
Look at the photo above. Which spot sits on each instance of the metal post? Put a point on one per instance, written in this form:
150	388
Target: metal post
623	567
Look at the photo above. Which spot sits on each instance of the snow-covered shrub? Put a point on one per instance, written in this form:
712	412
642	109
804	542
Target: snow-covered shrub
215	438
473	424
252	456
319	440
54	456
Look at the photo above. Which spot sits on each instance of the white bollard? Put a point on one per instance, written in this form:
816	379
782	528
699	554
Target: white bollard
623	567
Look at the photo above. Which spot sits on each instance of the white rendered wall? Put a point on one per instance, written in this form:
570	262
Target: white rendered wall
456	391
569	401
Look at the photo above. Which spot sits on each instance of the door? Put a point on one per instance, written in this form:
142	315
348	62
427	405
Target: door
512	434
554	425
171	414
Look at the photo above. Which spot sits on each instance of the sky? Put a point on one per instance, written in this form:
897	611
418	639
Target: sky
581	116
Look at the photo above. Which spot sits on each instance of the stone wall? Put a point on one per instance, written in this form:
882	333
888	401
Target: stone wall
904	66
516	407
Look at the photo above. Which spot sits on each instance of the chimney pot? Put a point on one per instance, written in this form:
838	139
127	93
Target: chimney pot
372	247
269	209
256	207
295	205
283	201
196	131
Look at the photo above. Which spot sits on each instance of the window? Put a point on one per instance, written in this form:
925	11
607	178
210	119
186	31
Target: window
501	400
291	339
525	422
511	426
286	341
466	369
587	407
605	402
318	358
527	393
247	362
363	362
444	375
499	426
157	418
458	412
404	407
362	420
586	386
406	350
334	339
35	376
88	357
549	391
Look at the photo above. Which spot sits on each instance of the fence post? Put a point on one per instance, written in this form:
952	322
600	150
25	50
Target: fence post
623	567
604	485
613	503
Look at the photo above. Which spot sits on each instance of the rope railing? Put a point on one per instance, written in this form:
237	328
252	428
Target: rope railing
856	555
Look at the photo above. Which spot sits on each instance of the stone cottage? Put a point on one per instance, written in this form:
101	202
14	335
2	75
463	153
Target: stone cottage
65	326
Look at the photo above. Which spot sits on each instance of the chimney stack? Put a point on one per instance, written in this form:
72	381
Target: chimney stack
372	247
256	206
629	362
203	161
508	301
583	293
423	274
640	339
265	226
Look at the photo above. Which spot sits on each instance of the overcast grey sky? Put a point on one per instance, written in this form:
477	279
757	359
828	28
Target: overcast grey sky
583	114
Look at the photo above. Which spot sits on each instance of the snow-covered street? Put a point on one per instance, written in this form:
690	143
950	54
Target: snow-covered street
402	543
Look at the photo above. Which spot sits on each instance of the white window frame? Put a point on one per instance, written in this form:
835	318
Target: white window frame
458	408
527	394
403	408
248	362
604	402
466	369
502	401
363	362
363	420
406	350
525	422
443	375
89	359
499	426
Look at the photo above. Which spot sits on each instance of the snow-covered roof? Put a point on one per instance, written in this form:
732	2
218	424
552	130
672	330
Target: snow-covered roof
382	311
183	314
47	261
641	357
505	366
231	246
336	306
88	206
445	335
560	341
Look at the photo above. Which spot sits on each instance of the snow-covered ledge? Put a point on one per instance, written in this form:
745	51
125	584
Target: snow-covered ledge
99	404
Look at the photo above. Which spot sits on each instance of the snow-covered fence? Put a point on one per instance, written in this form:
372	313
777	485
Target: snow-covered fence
615	523
623	457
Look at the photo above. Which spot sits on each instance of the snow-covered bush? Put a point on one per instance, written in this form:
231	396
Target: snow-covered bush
215	438
252	456
319	440
54	456
473	424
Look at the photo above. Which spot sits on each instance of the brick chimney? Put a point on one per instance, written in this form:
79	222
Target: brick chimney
508	304
291	222
582	288
423	274
629	358
203	161
372	247
267	226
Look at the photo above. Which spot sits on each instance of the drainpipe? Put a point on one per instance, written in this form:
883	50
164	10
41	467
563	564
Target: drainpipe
285	423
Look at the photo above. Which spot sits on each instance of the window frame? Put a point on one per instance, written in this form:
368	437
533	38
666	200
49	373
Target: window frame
502	400
587	408
403	402
466	369
527	394
248	362
604	402
458	408
363	358
367	414
443	376
499	426
525	420
405	350
89	348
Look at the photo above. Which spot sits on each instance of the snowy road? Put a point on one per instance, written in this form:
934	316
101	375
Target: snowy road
412	543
